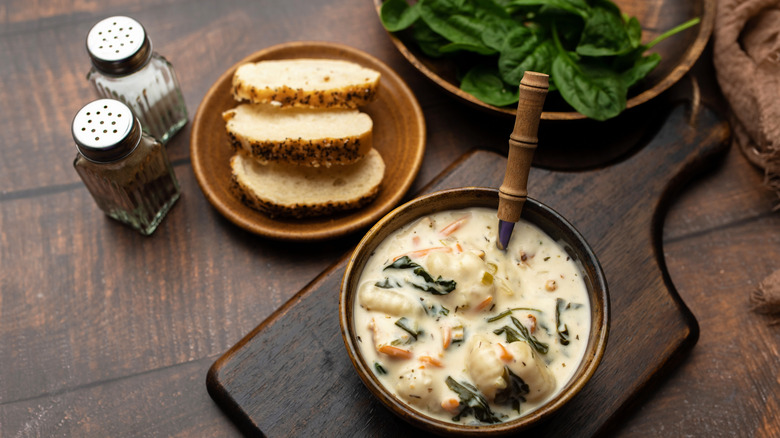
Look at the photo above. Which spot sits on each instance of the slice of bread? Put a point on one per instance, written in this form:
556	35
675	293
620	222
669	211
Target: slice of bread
306	137
287	190
307	83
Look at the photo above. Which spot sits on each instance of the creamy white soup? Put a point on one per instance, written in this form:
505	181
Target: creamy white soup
465	332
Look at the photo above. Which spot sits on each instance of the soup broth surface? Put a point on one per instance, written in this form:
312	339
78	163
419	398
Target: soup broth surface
464	332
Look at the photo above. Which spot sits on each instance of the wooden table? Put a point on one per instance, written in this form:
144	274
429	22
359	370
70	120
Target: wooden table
104	332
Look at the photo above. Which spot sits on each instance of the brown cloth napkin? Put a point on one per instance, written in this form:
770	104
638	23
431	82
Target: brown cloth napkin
746	55
766	298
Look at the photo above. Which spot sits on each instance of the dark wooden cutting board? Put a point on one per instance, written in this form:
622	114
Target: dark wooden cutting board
291	376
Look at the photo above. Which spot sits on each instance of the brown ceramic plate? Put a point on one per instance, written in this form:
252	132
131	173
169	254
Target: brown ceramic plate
678	54
399	136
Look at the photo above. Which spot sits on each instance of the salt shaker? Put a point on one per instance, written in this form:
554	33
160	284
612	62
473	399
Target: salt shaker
124	67
126	171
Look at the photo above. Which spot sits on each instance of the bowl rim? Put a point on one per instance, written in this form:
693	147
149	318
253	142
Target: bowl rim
597	291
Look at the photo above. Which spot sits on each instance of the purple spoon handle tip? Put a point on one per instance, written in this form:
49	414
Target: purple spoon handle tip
504	233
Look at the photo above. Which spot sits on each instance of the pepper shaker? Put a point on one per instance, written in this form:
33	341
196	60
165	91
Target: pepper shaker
126	171
124	67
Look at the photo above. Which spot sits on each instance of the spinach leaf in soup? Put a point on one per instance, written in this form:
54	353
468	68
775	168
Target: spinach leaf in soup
515	391
472	402
519	333
539	347
388	283
561	328
424	280
511	334
409	327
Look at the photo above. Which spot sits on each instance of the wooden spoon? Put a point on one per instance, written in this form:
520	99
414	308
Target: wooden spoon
522	144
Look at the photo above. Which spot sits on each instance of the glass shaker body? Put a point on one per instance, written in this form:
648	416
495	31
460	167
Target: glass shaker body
125	68
126	171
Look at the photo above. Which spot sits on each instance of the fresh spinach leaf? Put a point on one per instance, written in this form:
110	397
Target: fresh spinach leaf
428	40
397	15
496	36
595	91
591	50
641	68
524	51
634	31
485	84
577	7
605	33
464	21
457	47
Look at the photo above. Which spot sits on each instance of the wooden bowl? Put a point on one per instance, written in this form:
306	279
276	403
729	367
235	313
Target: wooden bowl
535	212
678	54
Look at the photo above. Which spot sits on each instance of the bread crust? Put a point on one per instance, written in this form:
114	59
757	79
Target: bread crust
312	153
286	97
298	210
301	115
315	89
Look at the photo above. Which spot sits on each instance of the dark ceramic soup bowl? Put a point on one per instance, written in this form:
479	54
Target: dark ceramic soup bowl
534	212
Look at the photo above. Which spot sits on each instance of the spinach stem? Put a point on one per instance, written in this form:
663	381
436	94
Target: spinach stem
556	39
679	28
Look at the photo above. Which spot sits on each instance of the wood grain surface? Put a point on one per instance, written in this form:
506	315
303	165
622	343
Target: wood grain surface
104	332
298	344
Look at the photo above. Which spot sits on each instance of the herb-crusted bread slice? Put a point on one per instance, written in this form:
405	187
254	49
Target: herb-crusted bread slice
287	190
308	83
306	137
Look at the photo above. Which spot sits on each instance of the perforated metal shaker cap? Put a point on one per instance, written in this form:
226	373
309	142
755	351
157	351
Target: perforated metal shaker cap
118	45
105	130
